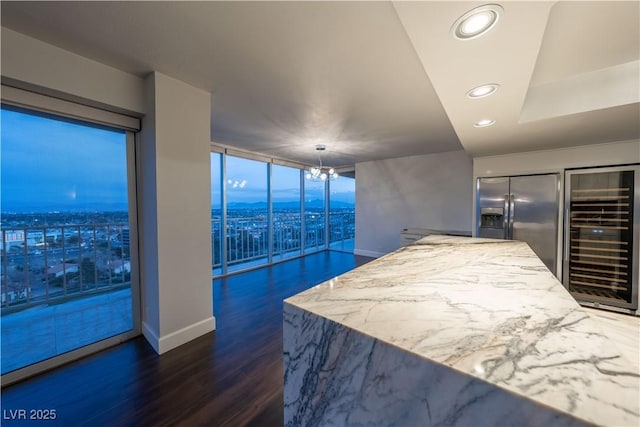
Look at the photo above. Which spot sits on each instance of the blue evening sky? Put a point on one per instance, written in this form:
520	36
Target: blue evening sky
53	165
49	165
247	183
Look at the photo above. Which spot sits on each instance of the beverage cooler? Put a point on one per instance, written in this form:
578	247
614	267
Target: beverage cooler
602	211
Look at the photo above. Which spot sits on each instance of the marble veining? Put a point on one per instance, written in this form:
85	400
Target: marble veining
447	330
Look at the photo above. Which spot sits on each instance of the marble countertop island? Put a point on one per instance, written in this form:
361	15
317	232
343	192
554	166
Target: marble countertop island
452	331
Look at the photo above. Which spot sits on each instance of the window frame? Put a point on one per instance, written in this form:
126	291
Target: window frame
59	109
226	151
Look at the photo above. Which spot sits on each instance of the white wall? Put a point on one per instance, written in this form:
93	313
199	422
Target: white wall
430	191
31	64
557	160
177	297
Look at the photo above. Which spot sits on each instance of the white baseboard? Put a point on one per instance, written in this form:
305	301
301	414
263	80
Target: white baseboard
150	336
371	254
182	336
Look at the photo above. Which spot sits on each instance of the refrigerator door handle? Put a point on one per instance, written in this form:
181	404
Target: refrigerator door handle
512	211
506	216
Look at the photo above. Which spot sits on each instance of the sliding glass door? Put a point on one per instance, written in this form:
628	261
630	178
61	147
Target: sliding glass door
315	210
342	213
287	222
68	223
263	212
247	213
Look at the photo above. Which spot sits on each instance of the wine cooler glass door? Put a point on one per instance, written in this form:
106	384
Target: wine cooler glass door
601	262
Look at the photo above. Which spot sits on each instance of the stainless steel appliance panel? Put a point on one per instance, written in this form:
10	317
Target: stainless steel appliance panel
533	206
492	206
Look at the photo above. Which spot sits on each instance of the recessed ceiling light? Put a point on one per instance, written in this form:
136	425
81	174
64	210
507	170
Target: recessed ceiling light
484	123
476	22
482	91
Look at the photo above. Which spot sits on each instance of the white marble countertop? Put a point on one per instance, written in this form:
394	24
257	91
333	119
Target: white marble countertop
489	309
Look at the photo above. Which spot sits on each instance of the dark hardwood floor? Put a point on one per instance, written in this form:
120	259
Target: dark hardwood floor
231	377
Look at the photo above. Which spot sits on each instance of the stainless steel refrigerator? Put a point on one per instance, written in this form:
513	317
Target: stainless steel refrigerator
521	208
602	217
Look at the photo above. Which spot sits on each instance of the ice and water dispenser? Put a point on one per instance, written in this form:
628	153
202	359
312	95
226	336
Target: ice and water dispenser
492	218
492	223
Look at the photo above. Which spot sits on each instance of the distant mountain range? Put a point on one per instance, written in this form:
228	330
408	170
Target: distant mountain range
17	206
30	207
317	203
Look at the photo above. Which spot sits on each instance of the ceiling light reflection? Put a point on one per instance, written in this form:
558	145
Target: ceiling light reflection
476	22
483	90
484	123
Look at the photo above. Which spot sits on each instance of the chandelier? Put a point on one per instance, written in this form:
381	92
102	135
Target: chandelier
320	173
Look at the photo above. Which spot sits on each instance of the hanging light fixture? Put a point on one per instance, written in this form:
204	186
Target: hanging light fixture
320	173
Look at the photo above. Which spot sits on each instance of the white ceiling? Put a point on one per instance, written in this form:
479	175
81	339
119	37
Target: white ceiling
372	80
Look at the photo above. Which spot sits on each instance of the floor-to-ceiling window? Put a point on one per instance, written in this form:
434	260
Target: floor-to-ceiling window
286	218
67	227
342	213
247	213
315	210
265	210
216	213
